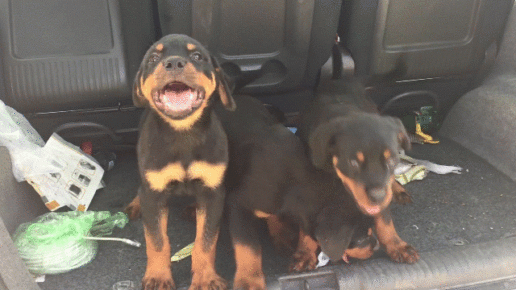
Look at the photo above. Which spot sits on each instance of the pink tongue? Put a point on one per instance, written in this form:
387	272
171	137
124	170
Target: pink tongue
373	210
179	101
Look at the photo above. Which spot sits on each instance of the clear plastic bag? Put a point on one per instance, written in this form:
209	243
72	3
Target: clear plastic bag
25	145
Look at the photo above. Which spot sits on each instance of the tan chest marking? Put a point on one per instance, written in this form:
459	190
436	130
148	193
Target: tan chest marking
210	174
159	179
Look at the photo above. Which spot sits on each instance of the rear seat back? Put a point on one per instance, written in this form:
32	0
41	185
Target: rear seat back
421	53
430	38
62	55
288	40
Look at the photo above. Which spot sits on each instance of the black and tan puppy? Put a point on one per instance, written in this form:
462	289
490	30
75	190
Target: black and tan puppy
270	177
346	136
182	151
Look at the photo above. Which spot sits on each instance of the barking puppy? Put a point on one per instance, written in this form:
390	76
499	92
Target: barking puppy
348	138
182	151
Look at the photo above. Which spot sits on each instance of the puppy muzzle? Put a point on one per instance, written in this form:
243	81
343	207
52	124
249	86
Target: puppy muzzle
377	195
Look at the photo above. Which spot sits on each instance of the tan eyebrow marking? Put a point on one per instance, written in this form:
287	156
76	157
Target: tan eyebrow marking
191	46
387	154
360	157
159	47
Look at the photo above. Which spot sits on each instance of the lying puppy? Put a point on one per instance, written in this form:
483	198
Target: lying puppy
182	151
349	139
269	176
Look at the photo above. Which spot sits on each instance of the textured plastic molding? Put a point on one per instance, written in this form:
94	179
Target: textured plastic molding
490	265
320	280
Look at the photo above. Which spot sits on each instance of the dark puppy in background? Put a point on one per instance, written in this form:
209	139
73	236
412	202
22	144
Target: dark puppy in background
270	177
182	151
342	232
347	137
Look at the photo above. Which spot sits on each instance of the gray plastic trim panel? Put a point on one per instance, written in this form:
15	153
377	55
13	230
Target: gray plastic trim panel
490	265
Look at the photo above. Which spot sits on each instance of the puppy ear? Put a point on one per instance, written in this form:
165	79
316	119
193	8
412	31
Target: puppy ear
322	142
138	99
334	231
225	93
403	138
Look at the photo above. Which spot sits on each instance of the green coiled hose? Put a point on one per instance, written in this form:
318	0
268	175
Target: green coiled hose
59	242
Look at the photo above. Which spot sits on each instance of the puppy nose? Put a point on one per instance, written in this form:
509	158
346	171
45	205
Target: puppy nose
175	63
377	194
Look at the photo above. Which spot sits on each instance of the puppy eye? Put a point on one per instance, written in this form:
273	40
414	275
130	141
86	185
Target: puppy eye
154	57
196	56
354	164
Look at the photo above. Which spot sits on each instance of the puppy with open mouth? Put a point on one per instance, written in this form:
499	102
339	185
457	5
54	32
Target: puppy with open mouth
182	151
346	137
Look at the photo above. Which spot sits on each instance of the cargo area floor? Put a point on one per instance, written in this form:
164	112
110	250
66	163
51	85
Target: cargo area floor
448	211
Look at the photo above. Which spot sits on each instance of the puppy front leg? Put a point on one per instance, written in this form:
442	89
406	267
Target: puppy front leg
158	274
248	251
210	204
399	250
133	210
305	257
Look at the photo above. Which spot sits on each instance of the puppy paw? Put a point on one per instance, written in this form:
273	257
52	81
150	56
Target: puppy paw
207	281
404	253
249	282
133	210
154	280
303	260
